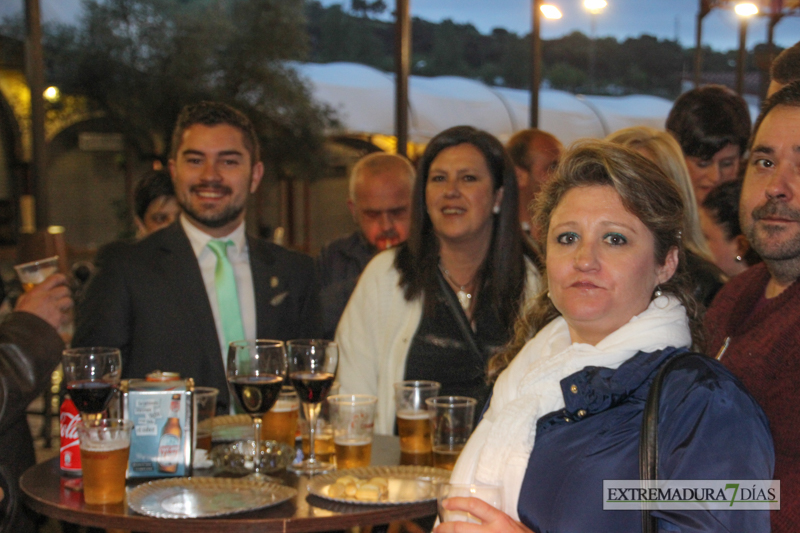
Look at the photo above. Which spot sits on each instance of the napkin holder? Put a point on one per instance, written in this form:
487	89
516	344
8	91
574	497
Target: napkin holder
164	424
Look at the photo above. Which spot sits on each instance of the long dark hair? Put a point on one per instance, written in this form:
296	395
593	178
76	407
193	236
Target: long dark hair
503	271
646	192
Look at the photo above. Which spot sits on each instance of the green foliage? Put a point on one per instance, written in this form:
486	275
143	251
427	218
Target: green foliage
566	77
366	8
143	60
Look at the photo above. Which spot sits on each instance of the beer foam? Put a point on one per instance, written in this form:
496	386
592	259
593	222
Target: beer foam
105	444
414	415
285	407
350	441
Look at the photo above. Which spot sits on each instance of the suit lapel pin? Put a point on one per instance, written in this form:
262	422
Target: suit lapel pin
273	281
277	300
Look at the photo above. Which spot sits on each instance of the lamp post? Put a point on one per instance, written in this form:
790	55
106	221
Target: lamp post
705	9
402	61
594	7
537	11
745	10
33	204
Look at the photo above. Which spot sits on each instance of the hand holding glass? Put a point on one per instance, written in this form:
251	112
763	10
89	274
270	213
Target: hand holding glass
256	372
92	376
33	273
312	368
491	494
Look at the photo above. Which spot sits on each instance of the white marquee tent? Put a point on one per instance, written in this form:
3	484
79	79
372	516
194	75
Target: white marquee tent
363	98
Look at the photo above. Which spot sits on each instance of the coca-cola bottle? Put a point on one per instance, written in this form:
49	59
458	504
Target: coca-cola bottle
70	445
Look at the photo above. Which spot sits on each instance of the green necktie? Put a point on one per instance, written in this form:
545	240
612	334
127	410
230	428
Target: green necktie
227	296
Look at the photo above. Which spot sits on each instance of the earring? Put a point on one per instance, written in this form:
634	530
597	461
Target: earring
548	295
739	259
658	292
496	210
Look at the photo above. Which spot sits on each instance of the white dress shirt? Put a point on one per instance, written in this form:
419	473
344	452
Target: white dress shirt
239	256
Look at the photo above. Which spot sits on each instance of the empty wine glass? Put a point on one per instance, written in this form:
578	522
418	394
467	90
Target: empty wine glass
92	375
256	373
312	368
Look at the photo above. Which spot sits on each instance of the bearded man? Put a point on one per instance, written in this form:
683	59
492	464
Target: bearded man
754	322
175	300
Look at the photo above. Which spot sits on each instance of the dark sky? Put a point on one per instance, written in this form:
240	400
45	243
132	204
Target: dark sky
622	18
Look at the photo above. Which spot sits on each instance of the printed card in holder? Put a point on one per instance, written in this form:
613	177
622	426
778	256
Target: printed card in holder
161	441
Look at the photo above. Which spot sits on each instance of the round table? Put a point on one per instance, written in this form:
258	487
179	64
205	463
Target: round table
44	490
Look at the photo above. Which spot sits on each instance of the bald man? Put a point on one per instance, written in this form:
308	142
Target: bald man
535	154
380	202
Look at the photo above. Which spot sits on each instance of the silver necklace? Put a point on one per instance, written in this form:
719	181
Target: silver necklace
464	297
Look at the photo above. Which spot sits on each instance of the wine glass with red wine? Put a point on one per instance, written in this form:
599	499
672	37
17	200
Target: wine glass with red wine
92	376
256	372
312	367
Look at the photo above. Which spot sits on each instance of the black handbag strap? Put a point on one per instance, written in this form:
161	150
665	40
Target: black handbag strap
648	438
461	317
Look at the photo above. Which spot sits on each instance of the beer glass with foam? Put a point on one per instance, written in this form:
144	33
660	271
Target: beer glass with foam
280	423
33	273
105	445
414	420
352	418
453	417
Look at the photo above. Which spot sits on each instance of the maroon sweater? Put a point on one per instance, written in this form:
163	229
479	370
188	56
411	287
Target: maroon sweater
764	353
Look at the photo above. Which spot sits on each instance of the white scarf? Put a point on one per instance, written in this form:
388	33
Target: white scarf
498	451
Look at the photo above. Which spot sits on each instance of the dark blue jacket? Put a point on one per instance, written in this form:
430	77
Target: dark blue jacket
709	428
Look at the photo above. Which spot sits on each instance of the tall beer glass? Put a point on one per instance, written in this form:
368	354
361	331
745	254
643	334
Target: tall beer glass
280	423
414	420
105	445
353	419
453	418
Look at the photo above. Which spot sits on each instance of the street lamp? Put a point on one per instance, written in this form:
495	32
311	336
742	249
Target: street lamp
594	7
549	12
52	94
745	10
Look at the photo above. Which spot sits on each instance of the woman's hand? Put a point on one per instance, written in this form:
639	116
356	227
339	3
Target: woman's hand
493	520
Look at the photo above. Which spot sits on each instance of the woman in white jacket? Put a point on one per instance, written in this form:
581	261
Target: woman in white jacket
439	306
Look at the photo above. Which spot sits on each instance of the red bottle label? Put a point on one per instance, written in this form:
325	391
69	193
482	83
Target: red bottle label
70	444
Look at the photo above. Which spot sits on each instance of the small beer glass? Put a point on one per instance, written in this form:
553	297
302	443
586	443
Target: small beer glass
205	405
33	273
491	494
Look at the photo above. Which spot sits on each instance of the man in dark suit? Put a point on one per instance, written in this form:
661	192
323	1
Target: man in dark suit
174	300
